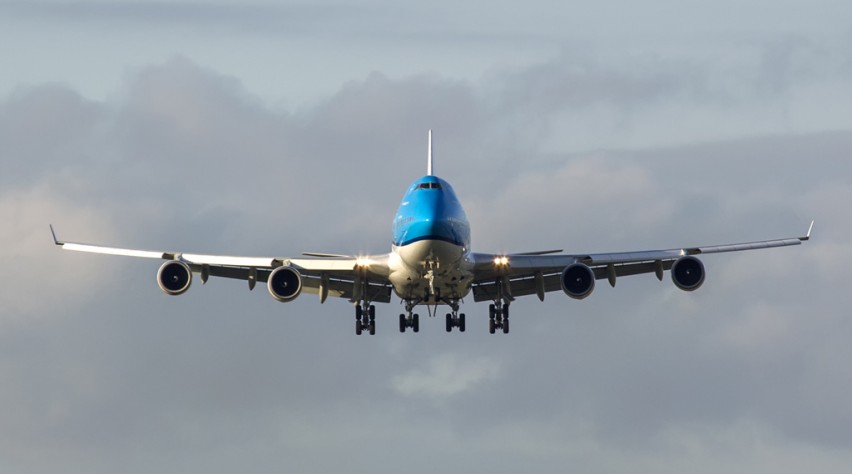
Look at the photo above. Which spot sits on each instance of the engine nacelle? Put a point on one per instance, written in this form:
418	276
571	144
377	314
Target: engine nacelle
688	273
578	281
284	284
174	277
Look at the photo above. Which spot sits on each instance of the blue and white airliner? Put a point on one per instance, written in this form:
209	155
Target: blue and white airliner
431	264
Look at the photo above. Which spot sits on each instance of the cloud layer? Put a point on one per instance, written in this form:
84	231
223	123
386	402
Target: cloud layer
101	372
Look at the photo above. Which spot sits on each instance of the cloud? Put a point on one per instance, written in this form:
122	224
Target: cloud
629	194
446	376
103	371
37	277
268	17
583	98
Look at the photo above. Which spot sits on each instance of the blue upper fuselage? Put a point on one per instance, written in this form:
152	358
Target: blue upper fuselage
430	210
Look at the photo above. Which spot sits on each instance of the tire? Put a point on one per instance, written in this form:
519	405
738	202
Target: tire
402	323
492	326
358	312
461	322
449	323
416	323
506	311
372	328
372	312
492	311
358	328
505	326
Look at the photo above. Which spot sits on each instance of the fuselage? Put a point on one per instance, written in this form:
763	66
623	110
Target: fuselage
430	257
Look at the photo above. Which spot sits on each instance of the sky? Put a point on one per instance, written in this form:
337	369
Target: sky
275	128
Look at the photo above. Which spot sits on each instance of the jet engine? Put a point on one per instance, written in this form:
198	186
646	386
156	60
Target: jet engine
578	281
688	273
174	277
284	284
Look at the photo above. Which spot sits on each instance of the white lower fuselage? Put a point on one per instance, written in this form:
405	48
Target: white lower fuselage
430	271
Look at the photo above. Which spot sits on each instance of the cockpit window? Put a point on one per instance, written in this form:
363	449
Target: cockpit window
429	186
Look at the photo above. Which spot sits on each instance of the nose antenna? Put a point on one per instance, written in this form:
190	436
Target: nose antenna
429	165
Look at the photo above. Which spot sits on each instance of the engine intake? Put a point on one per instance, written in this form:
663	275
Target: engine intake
578	281
688	273
174	277
284	284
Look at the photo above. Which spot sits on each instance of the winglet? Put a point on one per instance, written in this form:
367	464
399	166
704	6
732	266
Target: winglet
808	235
429	165
55	240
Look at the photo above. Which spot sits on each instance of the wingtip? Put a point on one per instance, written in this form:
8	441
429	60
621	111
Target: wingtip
53	233
810	229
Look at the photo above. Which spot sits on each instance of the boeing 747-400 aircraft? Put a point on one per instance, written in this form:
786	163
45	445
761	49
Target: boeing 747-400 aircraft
431	263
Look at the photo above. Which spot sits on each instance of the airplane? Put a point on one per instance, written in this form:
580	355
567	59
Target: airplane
431	263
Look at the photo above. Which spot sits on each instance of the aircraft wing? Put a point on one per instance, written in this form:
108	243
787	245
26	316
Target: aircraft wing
322	274
528	274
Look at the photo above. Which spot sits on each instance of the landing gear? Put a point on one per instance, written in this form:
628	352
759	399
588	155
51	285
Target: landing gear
365	318
498	317
455	319
411	321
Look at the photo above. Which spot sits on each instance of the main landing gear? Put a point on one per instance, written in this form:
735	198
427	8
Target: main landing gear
365	318
409	319
498	317
454	319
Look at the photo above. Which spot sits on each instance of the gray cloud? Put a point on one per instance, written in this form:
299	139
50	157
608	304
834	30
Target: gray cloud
101	372
290	20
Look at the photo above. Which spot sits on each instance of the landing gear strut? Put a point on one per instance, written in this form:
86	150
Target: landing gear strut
498	317
365	318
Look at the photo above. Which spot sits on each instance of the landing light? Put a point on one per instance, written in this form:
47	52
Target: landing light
501	261
362	262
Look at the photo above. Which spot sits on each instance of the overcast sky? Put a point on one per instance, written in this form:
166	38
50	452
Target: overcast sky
274	128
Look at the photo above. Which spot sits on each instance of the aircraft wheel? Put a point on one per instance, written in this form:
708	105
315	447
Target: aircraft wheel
372	328
449	322
401	323
358	327
416	322
461	322
372	312
492	326
506	326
